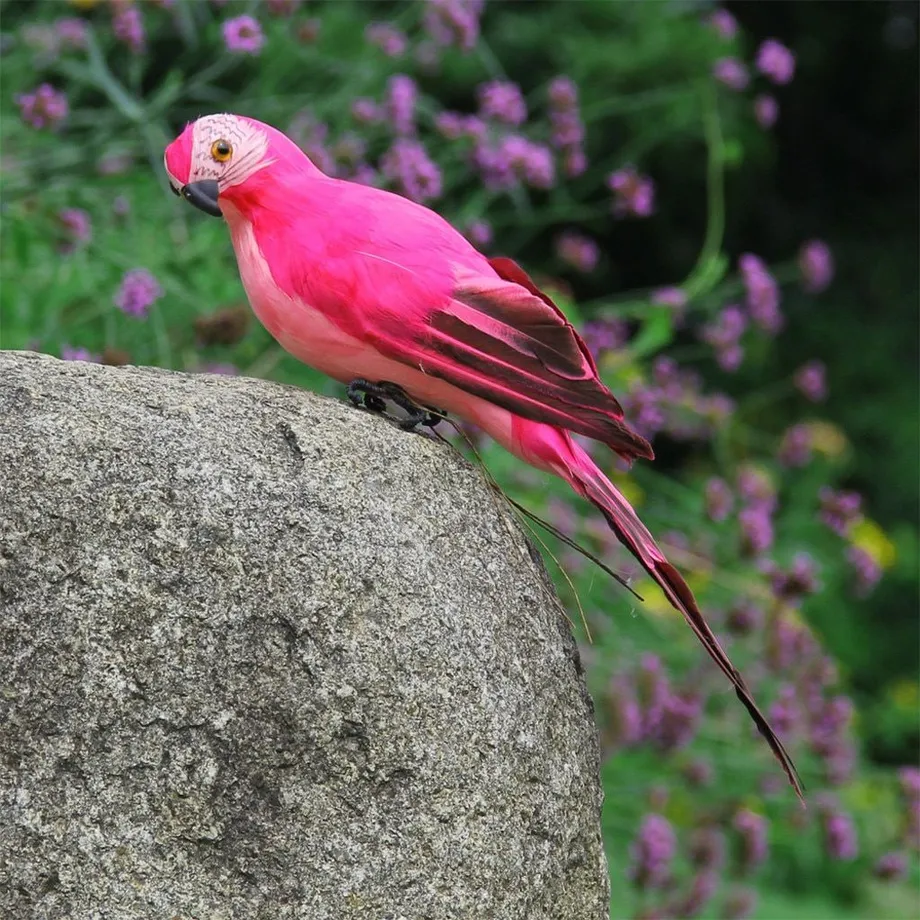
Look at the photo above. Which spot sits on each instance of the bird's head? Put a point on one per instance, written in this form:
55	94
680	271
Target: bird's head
216	157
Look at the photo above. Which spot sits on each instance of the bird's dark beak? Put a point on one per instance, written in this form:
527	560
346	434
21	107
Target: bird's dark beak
203	195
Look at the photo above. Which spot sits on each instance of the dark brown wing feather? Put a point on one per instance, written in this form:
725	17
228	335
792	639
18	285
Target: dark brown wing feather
526	357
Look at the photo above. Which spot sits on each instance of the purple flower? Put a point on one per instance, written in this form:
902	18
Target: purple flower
451	125
731	72
744	618
77	228
128	26
707	848
799	580
515	157
310	135
479	233
366	111
643	404
703	888
839	835
453	22
784	712
909	781
766	110
502	101
762	293
602	335
739	904
724	335
71	31
366	175
563	93
633	193
349	150
840	510
76	353
568	131
652	853
408	164
44	108
724	23
776	61
811	381
891	866
785	645
390	40
493	164
756	530
795	448
121	207
677	721
577	250
574	162
402	95
138	291
840	762
719	499
243	35
669	297
698	772
753	831
666	373
867	571
816	263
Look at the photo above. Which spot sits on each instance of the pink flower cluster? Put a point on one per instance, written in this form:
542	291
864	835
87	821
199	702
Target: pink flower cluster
633	193
43	108
568	131
139	290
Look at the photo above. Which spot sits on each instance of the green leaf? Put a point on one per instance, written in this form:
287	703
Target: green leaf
656	332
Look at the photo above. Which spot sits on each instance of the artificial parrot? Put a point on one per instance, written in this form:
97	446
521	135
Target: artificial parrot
387	297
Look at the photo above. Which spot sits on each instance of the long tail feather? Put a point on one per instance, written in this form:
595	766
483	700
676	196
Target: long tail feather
590	482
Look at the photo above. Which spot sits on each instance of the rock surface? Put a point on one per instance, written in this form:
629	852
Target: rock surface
263	655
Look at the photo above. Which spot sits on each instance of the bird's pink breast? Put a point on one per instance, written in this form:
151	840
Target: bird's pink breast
305	332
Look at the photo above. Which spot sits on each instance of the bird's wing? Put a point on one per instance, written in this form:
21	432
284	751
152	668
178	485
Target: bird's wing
498	336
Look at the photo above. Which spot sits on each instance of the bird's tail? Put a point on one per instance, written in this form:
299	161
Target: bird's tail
586	479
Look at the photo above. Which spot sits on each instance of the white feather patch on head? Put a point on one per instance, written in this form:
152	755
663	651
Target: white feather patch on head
249	146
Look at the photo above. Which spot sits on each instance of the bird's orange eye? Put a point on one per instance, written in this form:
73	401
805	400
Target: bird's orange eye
221	150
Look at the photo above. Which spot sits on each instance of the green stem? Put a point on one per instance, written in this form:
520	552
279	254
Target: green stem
130	108
702	278
636	101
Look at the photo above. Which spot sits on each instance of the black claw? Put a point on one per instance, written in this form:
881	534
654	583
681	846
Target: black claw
373	396
356	392
434	417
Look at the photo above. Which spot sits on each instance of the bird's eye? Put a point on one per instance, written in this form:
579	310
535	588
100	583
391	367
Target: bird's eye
221	150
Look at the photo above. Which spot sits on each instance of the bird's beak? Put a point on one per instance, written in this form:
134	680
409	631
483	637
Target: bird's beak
203	194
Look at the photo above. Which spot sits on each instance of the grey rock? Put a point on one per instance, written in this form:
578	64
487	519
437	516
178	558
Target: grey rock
265	655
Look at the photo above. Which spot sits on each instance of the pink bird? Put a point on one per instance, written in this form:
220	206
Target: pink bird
384	295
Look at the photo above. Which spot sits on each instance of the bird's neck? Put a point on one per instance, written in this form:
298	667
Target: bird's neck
272	194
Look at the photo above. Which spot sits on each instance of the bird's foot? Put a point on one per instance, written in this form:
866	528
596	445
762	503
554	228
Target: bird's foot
374	396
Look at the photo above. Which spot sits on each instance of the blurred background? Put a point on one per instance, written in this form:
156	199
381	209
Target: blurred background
724	199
